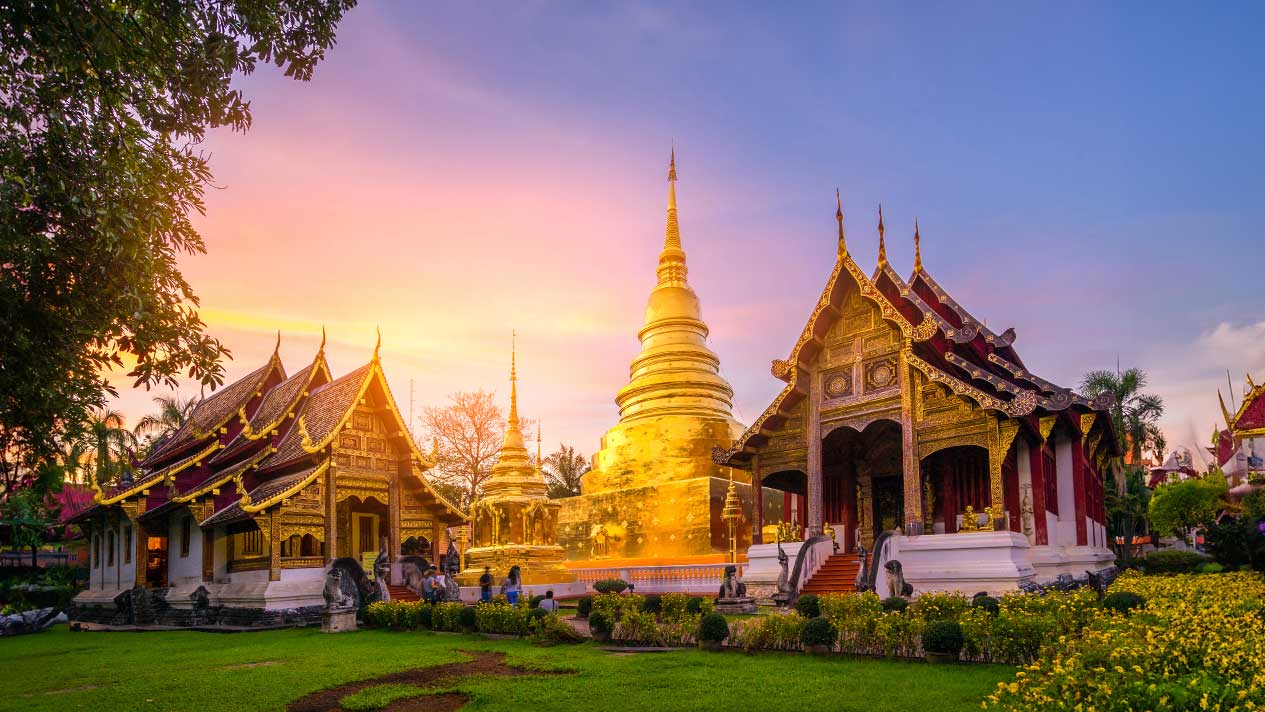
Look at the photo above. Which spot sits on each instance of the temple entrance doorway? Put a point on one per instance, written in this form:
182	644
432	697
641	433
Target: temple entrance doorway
155	561
959	478
362	523
859	470
889	503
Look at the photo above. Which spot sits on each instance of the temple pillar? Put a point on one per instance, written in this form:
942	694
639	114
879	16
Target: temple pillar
865	506
1003	434
274	545
394	507
813	434
757	515
1080	486
331	516
911	473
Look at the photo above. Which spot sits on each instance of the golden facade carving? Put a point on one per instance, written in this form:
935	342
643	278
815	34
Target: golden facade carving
1045	426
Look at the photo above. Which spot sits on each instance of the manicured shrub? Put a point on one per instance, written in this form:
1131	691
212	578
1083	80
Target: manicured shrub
423	616
986	603
584	606
808	606
1172	561
616	605
468	617
611	586
674	606
1211	567
895	604
942	637
817	631
502	618
652	604
549	629
447	616
638	628
535	601
601	622
713	627
535	614
939	606
378	614
694	605
1123	601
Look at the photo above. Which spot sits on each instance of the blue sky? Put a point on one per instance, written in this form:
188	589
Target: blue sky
1090	174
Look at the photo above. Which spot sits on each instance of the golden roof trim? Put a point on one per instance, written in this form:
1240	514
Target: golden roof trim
255	507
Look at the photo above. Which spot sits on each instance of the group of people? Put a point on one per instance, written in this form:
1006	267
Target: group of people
511	588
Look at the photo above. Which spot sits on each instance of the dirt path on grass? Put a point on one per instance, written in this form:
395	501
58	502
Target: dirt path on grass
327	700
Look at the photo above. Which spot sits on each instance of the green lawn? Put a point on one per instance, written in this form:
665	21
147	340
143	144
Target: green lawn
59	670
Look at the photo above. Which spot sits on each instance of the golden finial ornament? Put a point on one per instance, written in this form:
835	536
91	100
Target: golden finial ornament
843	246
377	345
882	244
513	419
917	248
671	270
277	349
322	347
539	462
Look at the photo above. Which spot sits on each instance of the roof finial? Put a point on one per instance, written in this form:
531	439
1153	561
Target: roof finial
843	247
539	462
277	349
377	345
322	347
917	248
882	244
513	420
671	269
1225	412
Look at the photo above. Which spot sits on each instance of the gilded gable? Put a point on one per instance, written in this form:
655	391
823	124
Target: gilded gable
364	444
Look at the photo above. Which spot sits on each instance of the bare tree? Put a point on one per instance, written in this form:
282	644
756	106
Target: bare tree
563	469
469	432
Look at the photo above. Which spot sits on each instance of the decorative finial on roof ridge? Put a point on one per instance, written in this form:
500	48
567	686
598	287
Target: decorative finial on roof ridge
378	345
843	246
1225	412
539	462
917	248
882	243
322	347
277	349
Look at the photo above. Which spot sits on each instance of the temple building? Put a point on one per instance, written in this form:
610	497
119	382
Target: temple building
654	495
513	522
269	481
1239	447
903	413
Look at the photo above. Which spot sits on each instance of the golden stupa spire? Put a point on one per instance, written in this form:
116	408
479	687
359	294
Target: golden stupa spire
843	246
917	248
671	268
539	462
513	419
882	246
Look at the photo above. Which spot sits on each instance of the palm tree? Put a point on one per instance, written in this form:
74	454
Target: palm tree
563	469
1135	414
109	442
172	413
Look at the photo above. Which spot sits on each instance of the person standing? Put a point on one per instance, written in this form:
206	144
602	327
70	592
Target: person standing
485	585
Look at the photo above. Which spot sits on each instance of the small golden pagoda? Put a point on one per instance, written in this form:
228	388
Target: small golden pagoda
514	523
654	493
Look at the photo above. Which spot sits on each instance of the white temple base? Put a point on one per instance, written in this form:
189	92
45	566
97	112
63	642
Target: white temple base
1050	561
995	562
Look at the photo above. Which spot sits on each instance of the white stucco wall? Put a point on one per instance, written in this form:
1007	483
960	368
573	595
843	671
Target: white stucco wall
183	569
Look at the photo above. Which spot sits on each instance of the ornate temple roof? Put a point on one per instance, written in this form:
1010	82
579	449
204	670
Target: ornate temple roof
213	412
949	346
266	494
277	405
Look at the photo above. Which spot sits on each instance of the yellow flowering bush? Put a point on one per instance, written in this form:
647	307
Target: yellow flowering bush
775	631
1196	644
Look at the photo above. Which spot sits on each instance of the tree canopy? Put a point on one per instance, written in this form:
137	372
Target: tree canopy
1135	414
563	469
103	105
1178	507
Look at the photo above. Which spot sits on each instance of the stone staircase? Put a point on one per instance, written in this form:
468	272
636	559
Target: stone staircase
402	593
838	574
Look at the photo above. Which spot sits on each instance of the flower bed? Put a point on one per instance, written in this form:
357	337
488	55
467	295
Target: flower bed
1196	643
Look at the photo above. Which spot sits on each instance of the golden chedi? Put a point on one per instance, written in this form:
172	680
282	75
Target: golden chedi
514	523
654	493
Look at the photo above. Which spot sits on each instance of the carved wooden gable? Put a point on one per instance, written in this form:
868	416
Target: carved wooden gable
859	362
366	444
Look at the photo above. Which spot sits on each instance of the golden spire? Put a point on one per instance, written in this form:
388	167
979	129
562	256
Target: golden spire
917	248
539	462
671	268
882	245
377	345
322	347
843	247
513	420
277	349
1225	412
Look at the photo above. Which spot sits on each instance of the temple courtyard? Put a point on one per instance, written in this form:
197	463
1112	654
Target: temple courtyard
277	670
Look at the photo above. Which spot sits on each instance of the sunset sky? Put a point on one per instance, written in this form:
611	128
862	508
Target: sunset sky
1089	175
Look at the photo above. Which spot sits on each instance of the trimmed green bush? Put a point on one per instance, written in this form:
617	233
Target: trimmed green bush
535	614
467	617
584	606
1172	561
987	603
895	604
611	586
713	627
818	631
424	616
808	606
694	606
535	602
601	622
1211	567
652	604
942	637
1123	601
